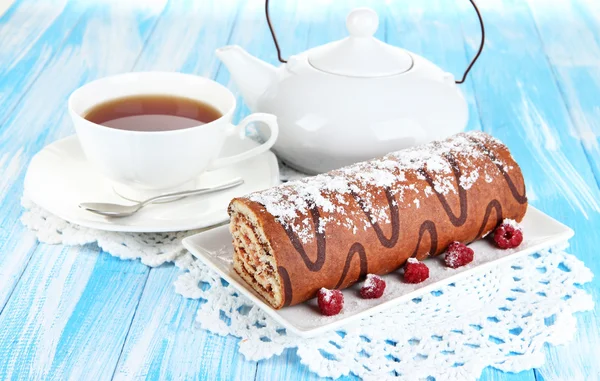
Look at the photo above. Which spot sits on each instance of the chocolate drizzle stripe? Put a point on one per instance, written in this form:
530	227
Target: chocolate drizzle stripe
427	226
359	249
521	198
394	217
320	236
287	285
495	205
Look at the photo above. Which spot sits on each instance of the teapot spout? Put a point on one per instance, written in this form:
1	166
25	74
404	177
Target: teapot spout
251	75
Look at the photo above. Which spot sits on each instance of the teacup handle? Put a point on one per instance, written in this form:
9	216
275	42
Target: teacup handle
268	119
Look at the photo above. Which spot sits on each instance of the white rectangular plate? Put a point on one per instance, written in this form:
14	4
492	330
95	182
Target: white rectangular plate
214	248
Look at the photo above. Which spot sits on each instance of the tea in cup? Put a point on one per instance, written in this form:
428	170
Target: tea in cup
155	132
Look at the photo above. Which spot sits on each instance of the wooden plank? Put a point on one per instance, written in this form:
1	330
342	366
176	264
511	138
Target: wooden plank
520	103
5	6
29	35
187	35
570	33
65	308
23	24
49	324
164	341
491	374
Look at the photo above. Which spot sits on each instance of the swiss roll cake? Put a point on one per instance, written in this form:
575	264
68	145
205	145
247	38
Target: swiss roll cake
333	229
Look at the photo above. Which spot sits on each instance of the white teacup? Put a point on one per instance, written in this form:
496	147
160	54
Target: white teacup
146	163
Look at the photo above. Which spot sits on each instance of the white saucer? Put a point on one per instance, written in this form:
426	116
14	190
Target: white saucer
214	248
59	178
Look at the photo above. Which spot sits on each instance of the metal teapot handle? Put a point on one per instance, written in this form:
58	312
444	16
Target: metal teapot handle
459	81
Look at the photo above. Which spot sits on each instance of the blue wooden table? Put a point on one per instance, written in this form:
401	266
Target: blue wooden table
79	313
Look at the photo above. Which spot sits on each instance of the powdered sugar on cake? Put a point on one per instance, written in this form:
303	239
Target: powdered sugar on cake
467	180
335	193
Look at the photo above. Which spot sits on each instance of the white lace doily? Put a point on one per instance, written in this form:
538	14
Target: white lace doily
501	318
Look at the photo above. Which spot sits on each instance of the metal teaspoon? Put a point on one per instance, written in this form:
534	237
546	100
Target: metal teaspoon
118	210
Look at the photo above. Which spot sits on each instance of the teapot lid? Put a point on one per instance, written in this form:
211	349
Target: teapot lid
360	54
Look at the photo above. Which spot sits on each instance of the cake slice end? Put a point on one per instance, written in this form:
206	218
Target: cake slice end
253	257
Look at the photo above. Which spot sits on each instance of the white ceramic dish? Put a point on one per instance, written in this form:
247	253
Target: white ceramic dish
214	248
59	178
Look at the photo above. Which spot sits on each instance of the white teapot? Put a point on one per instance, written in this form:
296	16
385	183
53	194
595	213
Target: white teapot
349	100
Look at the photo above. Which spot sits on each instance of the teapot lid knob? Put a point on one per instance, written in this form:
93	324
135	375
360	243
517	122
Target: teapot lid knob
362	22
360	54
